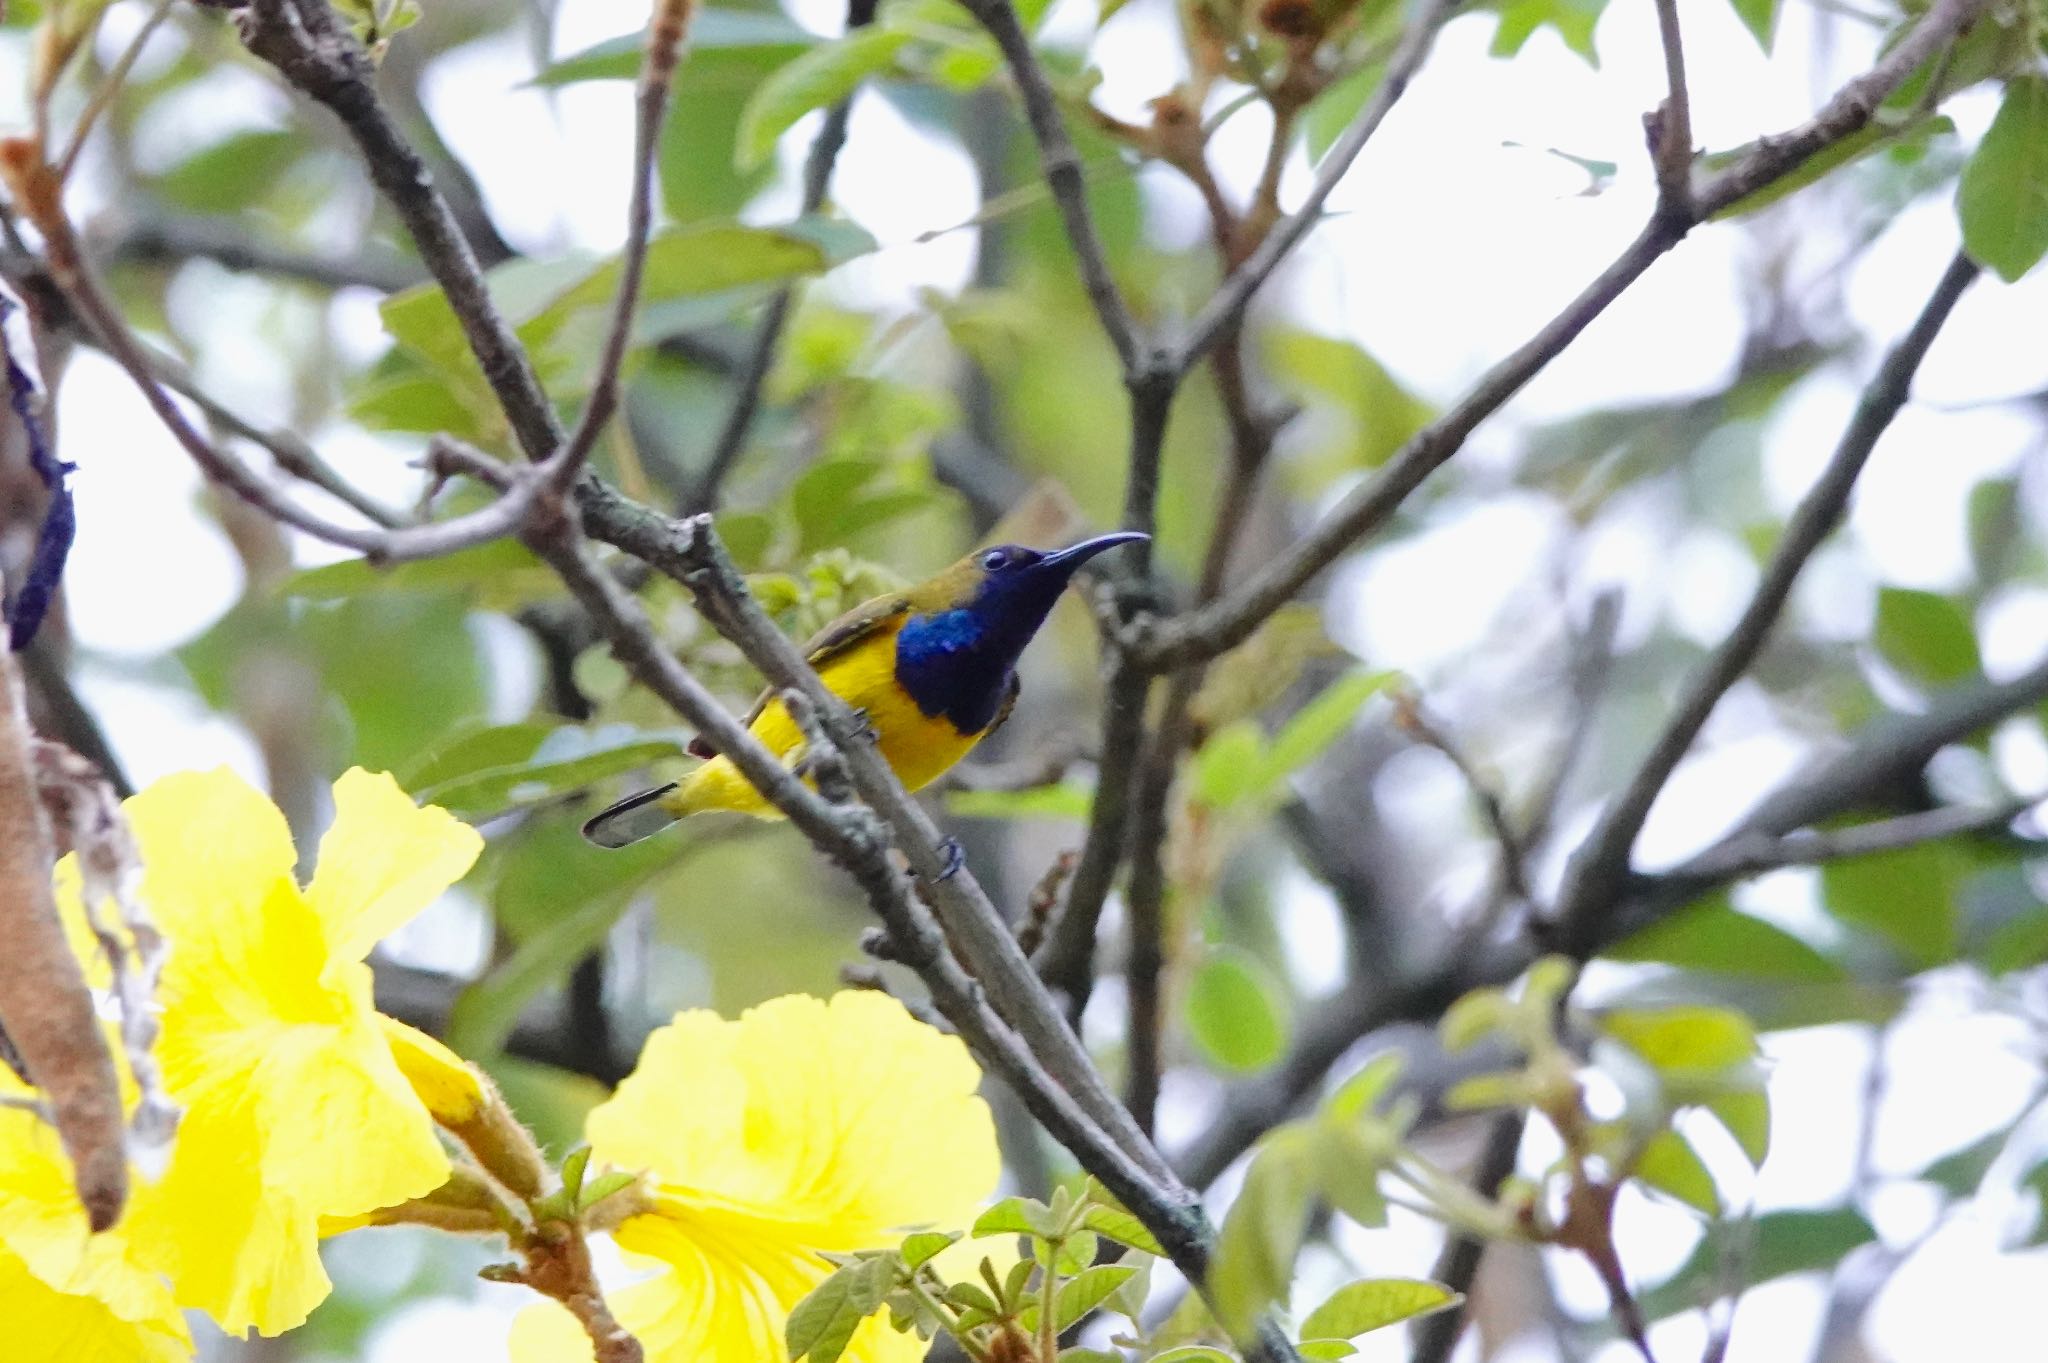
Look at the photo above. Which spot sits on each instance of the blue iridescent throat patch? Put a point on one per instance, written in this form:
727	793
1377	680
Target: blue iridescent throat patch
951	666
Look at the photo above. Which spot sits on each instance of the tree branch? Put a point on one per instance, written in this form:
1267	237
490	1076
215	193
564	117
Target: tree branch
1757	853
1223	311
1458	1265
1881	755
1061	166
1210	630
1671	125
1601	864
172	240
753	375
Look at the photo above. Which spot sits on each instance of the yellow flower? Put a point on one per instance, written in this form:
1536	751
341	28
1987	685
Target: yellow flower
63	1293
294	1107
807	1125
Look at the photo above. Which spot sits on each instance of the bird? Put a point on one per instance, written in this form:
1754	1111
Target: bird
932	670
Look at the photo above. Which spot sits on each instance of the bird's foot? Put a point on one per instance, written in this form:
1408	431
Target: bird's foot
954	858
863	729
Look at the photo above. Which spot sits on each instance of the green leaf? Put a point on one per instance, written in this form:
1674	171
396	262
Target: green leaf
711	29
2019	943
1017	1216
1670	1165
1326	1349
1076	1251
598	1189
1067	800
1374	1303
1311	731
1710	935
1331	112
1192	1353
1775	1245
2035	1181
1474	1017
1254	1261
1746	1113
1685	1040
1961	1172
1374	414
361	648
823	75
547	867
1910	897
233	173
1346	1160
1574	21
923	1246
1760	17
1236	1011
706	258
1081	1294
821	1325
1927	636
573	1166
567	760
1114	1223
501	575
1264	667
2003	196
1361	1093
1229	766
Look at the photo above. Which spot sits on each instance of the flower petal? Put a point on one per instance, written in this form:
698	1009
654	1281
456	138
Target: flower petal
847	1116
245	1254
343	1130
213	850
383	860
285	1123
715	1299
43	1322
440	1077
42	1229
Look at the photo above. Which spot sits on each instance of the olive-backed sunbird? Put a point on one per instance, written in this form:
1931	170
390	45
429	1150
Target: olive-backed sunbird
933	669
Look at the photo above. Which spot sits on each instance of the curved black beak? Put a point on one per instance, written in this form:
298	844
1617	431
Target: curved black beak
1074	555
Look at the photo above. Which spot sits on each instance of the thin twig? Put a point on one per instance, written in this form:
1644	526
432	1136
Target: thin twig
666	31
1222	311
1067	962
1877	758
286	447
1062	168
38	191
753	376
1671	124
1210	630
1417	723
1758	853
164	239
1458	1265
110	86
1601	864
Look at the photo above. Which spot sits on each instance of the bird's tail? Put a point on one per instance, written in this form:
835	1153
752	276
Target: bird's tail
633	818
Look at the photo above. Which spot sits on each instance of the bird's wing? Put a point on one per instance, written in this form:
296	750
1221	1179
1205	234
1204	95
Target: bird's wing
852	628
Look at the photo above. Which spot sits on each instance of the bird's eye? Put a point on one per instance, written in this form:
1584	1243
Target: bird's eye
995	560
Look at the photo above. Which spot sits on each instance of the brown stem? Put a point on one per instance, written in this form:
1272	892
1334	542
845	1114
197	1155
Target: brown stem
45	1006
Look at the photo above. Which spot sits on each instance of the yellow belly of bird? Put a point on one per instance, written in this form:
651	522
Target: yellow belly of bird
920	748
